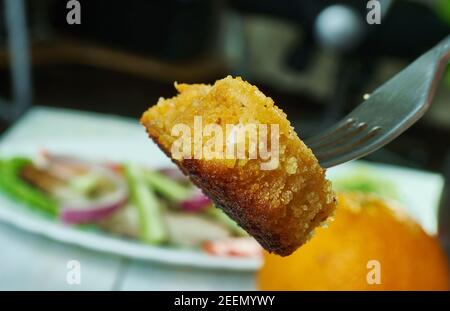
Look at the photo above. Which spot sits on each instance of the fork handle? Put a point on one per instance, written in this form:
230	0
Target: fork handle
442	51
441	56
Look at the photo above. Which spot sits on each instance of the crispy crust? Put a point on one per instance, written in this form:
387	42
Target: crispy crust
255	199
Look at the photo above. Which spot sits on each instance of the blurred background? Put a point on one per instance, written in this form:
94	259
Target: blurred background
316	59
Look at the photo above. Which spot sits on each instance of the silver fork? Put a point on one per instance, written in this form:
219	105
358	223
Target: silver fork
388	112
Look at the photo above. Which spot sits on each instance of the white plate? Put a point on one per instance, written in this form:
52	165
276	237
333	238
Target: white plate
420	191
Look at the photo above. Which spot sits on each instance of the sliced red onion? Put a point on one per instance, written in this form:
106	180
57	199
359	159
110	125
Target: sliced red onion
87	211
196	203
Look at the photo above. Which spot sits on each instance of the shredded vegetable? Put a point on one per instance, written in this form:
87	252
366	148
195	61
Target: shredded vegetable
152	225
15	187
166	186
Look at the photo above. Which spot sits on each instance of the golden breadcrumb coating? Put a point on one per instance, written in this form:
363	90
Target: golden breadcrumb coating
279	207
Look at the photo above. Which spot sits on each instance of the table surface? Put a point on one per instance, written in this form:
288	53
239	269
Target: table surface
32	262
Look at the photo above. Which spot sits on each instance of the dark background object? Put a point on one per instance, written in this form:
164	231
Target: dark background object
172	30
179	32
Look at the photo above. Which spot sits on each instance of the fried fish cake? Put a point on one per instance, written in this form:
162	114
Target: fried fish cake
279	201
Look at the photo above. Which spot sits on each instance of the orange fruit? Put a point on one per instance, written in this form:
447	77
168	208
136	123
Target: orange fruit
371	245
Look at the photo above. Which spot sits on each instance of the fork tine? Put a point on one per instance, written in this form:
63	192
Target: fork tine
336	139
359	146
334	130
390	110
